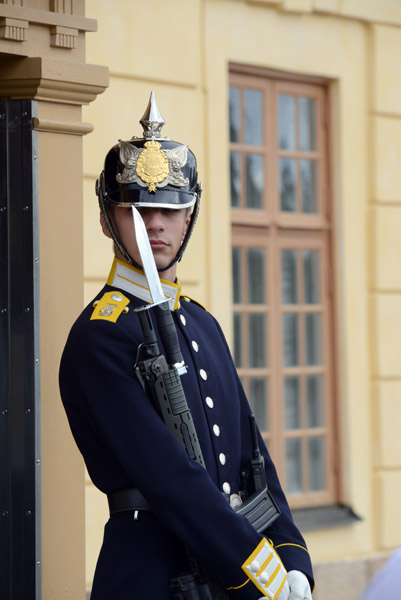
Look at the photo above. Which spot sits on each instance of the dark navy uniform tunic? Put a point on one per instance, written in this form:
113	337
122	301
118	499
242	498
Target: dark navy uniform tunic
125	444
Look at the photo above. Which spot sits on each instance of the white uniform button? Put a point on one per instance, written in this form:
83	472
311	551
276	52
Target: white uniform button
203	374
183	320
117	297
222	458
209	402
226	487
264	578
195	346
254	566
216	430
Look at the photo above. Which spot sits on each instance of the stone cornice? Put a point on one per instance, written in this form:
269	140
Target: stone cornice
44	17
69	127
52	80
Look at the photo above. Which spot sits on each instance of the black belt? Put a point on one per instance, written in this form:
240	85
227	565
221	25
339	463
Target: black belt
129	500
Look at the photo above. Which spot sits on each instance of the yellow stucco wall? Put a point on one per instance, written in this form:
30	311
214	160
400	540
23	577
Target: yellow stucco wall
182	50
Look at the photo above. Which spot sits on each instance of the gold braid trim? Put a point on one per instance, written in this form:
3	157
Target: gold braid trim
238	587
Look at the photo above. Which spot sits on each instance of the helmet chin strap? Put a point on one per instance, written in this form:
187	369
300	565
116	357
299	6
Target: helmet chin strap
102	196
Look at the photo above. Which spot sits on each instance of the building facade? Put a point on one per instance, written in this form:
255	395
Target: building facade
293	109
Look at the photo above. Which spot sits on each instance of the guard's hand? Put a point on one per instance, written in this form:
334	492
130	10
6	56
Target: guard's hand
299	586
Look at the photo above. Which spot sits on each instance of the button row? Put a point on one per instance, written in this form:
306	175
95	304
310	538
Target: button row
195	345
210	404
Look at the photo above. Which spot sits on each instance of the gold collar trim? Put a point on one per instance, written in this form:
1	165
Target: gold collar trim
132	280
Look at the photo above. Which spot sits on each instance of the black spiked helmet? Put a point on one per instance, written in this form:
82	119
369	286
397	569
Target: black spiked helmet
151	171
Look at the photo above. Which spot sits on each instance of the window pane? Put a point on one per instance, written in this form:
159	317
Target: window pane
256	275
253	117
234	114
313	336
237	340
292	403
311	276
257	341
314	392
317	460
286	122
309	191
236	266
235	179
293	466
287	184
290	340
307	123
255	180
258	398
289	284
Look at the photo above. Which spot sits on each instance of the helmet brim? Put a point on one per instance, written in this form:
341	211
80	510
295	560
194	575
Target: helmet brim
164	198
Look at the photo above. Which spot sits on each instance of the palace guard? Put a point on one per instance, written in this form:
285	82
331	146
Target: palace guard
159	414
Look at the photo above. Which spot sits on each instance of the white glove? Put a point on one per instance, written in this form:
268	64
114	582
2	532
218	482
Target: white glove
299	586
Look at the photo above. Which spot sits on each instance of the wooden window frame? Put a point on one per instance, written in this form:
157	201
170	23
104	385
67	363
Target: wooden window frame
274	230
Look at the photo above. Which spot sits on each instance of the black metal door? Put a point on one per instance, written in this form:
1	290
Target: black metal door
20	465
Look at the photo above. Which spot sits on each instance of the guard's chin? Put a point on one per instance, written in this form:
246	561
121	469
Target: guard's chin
161	268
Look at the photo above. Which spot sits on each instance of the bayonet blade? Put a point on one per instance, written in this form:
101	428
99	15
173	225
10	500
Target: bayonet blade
160	304
147	259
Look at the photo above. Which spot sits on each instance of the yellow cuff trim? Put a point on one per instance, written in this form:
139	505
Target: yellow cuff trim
238	587
281	586
265	569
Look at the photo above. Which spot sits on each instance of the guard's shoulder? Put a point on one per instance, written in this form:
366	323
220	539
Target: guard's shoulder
110	306
188	299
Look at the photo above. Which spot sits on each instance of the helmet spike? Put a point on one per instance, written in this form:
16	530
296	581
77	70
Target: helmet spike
152	121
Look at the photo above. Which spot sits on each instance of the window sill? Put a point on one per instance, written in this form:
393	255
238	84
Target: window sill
324	517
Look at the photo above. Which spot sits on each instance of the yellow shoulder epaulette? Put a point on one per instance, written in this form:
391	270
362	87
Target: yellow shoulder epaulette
110	306
189	299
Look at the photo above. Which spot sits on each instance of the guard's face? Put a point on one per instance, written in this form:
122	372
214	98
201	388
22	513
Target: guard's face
166	230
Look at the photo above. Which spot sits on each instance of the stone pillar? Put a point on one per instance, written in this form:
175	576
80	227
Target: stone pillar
43	58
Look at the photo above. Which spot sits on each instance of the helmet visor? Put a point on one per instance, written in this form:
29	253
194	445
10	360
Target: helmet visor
165	198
